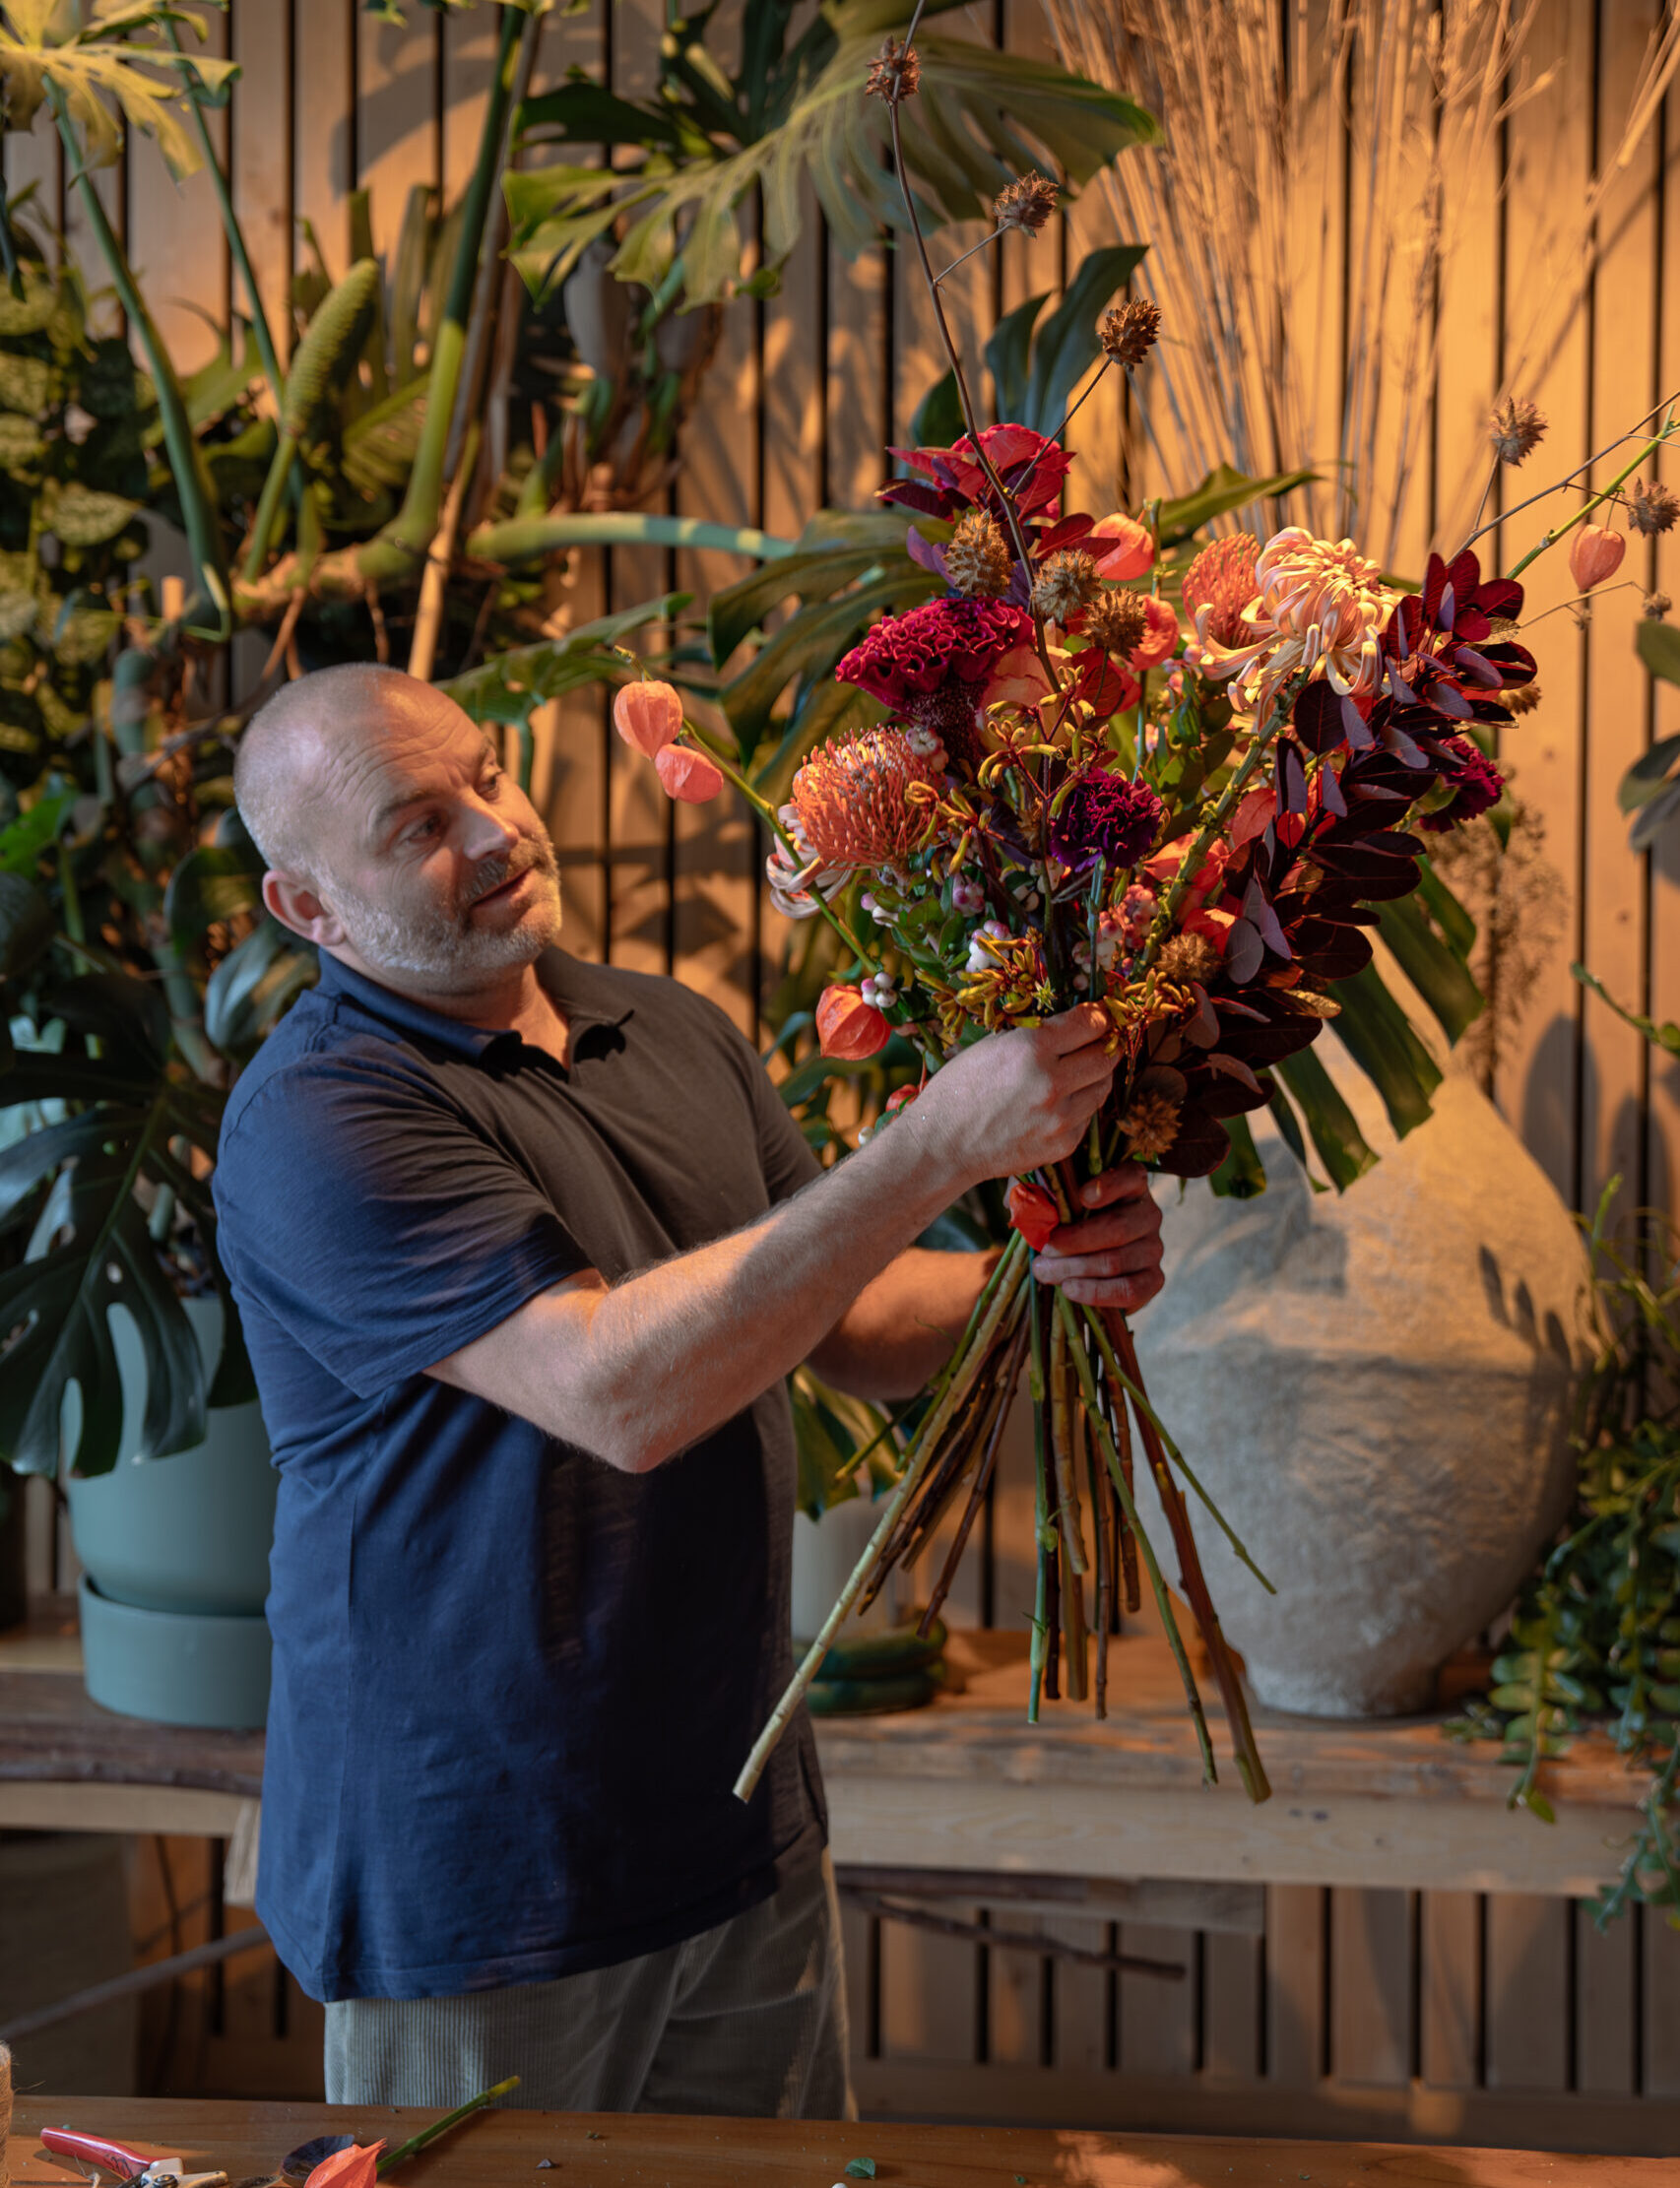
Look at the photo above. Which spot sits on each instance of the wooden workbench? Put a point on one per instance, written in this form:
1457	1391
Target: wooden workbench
966	1784
622	2151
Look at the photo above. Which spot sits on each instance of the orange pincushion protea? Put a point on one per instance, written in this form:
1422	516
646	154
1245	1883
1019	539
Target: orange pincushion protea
851	796
1218	584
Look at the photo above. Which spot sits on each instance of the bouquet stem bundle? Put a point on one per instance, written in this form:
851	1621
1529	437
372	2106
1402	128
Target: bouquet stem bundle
1088	1403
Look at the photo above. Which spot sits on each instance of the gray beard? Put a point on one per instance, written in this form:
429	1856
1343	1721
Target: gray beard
453	950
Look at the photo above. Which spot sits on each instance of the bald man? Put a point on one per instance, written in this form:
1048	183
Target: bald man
524	1250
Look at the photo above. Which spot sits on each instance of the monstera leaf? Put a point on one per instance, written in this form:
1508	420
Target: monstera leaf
794	113
74	1201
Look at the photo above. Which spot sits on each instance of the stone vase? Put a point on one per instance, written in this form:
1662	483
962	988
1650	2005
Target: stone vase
1375	1388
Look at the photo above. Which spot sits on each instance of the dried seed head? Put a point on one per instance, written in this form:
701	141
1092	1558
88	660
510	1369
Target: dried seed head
1652	508
1150	1125
1129	331
1657	606
1515	428
1064	584
1520	699
978	561
895	74
1187	957
1026	204
1117	621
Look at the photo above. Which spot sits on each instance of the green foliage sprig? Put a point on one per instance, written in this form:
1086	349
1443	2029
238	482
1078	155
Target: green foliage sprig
1595	1641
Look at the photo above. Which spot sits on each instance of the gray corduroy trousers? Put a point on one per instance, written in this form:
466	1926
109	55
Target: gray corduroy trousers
748	2019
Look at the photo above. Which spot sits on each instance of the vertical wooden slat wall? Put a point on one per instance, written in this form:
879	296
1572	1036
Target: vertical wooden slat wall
1378	2012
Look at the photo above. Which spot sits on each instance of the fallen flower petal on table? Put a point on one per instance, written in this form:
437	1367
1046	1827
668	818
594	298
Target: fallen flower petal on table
355	2168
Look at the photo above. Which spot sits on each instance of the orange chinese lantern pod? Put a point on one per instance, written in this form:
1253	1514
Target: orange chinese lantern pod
647	716
1032	1212
848	1027
1595	555
686	774
1123	546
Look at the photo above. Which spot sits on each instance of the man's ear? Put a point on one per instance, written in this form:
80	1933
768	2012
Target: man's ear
293	902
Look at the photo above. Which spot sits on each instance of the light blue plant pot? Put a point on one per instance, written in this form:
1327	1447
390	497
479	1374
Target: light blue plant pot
174	1553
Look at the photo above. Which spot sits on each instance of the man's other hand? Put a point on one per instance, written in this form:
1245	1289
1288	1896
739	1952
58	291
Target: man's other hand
1110	1255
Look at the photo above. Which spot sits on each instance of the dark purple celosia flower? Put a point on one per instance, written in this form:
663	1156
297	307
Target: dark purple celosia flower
1105	815
1475	780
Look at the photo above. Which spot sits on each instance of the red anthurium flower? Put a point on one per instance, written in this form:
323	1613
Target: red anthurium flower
687	775
347	2168
1123	546
1032	1212
647	716
1160	638
848	1027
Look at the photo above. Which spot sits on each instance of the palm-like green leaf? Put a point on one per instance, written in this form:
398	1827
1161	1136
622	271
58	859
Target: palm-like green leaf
116	69
979	118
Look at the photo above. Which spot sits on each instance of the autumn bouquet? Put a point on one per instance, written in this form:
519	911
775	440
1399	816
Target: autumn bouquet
1080	791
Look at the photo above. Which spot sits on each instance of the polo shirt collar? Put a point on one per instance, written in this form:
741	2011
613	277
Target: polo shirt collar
587	995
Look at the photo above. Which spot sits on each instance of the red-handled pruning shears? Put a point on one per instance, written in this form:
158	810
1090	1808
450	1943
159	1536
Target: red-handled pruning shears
132	2167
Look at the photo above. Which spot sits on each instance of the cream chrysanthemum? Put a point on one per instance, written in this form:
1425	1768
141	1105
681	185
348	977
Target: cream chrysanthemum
1318	609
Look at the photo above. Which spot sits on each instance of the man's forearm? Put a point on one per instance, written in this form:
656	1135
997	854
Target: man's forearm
901	1327
641	1369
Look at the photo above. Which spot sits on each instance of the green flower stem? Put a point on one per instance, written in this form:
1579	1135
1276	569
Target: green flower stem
417	2143
1157	1582
1212	827
959	1374
231	226
1649	449
268	507
1040	1510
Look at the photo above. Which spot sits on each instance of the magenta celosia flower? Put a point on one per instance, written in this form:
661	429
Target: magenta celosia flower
934	662
1106	815
1475	780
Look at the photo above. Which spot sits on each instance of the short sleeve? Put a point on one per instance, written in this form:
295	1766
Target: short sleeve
376	1225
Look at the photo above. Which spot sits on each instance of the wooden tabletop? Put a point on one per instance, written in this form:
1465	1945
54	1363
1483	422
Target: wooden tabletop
504	2148
967	1784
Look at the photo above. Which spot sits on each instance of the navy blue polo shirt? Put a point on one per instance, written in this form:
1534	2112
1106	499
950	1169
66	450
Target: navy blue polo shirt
512	1687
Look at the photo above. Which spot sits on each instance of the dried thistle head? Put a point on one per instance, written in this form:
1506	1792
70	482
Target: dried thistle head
1657	606
1515	428
1117	621
895	74
1520	698
1150	1125
1067	580
1652	508
1026	204
1186	957
978	561
1130	330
